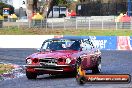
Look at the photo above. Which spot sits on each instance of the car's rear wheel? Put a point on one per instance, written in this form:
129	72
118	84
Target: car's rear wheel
97	68
31	75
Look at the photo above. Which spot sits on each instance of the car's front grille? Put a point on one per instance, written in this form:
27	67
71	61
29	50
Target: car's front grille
48	61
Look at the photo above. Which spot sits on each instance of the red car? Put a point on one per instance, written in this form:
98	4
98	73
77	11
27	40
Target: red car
63	55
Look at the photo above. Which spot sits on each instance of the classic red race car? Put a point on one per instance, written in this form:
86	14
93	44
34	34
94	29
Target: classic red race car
63	55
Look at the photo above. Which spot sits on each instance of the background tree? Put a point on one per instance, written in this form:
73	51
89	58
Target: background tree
3	5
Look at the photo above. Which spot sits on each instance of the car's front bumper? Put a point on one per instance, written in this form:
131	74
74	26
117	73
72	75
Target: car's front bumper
49	69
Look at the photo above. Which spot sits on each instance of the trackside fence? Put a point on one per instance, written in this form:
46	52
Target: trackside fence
90	23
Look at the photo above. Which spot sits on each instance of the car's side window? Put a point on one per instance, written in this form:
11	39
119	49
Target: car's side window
90	43
86	45
75	45
45	45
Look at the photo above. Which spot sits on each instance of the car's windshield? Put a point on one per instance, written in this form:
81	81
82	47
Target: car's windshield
61	45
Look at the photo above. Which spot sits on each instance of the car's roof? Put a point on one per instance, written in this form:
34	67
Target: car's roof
71	38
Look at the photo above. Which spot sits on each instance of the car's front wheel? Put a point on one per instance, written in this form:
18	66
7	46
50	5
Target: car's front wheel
81	80
77	65
97	68
31	75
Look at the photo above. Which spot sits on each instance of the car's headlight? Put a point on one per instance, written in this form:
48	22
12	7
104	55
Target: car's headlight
29	61
68	61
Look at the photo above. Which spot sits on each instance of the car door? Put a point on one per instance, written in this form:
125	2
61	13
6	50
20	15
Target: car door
85	55
87	45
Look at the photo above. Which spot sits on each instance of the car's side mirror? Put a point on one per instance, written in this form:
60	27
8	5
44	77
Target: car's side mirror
39	50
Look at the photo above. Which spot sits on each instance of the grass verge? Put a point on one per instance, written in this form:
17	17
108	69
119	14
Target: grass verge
86	32
5	68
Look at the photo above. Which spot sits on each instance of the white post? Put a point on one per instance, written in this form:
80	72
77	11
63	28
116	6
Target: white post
76	23
46	23
85	20
131	23
102	23
8	21
22	23
41	23
52	23
29	23
116	25
18	23
89	23
64	24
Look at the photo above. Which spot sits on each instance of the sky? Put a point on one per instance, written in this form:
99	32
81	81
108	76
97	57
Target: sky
18	3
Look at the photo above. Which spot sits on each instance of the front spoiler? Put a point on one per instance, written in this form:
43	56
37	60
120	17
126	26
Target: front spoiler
58	68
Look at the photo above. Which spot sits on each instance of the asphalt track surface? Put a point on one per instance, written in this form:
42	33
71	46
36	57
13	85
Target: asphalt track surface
113	62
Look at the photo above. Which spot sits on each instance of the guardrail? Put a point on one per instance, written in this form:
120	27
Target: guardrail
93	22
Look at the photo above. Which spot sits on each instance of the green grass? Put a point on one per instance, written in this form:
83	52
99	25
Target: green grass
5	67
40	31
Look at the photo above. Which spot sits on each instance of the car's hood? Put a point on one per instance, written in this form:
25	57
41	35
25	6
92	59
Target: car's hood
54	54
